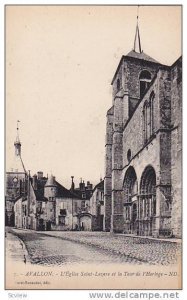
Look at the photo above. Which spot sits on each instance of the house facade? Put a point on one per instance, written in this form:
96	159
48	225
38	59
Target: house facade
97	206
48	205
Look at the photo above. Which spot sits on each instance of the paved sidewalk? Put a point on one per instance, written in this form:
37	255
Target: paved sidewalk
168	240
153	251
15	249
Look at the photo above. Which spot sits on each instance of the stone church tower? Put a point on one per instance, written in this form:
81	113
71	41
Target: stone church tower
138	181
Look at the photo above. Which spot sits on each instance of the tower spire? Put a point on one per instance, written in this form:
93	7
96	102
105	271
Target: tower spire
17	136
17	143
137	42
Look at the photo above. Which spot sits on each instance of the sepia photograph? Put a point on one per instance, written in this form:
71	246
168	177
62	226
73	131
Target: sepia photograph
93	147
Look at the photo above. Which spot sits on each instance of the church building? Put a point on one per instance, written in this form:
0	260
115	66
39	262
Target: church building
143	151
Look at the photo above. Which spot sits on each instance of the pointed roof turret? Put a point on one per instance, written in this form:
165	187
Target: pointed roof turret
137	51
17	164
17	142
50	181
137	41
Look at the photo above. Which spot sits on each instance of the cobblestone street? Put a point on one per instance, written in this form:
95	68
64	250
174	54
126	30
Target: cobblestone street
143	250
58	248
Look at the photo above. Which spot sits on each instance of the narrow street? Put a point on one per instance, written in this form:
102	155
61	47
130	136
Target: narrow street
48	250
66	260
60	248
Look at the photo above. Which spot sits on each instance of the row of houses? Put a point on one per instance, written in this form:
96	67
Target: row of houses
42	203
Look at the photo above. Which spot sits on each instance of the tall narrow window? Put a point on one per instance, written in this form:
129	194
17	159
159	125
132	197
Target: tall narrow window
145	79
152	96
145	136
148	118
118	84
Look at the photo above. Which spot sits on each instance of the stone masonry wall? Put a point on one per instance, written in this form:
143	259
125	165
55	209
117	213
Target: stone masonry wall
133	132
176	148
108	170
129	72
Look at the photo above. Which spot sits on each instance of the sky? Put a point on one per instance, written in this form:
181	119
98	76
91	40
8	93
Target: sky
60	61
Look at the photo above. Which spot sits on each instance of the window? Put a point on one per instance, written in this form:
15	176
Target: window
148	118
129	155
63	212
145	79
154	205
118	84
145	109
152	97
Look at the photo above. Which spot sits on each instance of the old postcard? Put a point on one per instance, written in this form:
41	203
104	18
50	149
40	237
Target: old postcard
93	147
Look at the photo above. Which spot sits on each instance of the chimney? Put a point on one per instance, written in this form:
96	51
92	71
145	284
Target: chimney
34	182
82	185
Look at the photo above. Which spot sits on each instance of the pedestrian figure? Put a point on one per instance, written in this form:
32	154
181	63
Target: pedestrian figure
21	244
24	259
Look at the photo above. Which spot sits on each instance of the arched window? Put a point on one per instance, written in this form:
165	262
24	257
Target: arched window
129	155
118	84
148	118
145	79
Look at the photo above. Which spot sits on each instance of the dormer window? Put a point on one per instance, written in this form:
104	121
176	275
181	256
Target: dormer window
145	79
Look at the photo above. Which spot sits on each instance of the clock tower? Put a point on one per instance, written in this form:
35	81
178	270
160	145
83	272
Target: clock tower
16	182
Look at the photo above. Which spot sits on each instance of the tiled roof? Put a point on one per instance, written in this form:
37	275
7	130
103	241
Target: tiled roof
142	56
63	192
40	195
100	185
